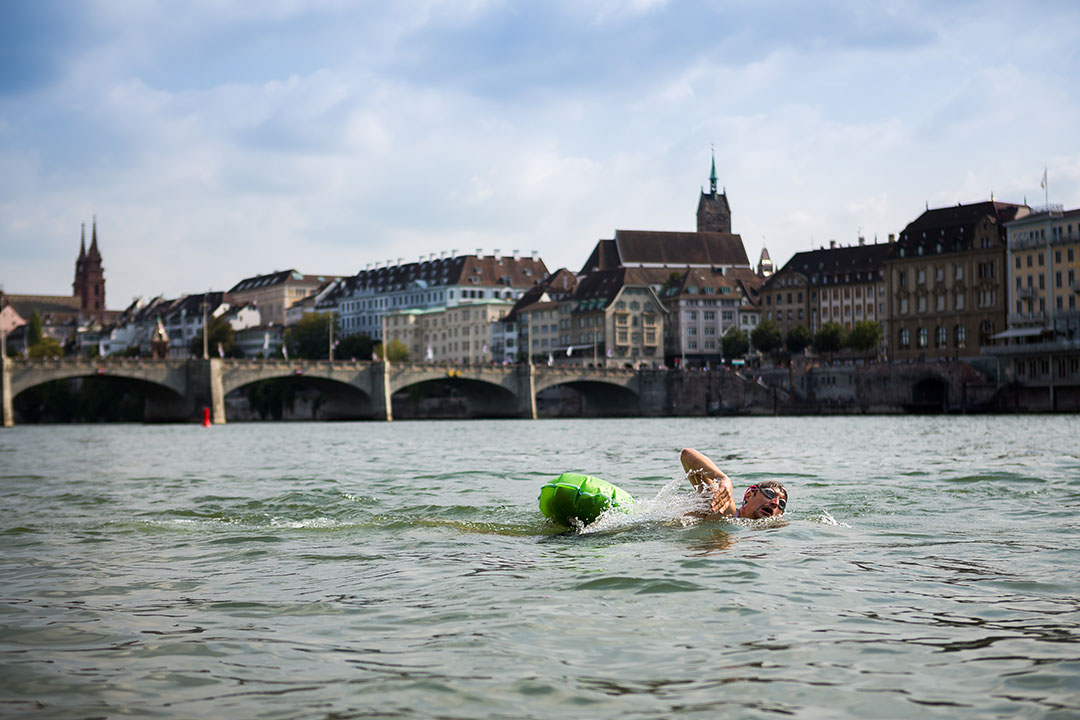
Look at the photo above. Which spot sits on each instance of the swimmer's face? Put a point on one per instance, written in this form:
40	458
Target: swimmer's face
762	502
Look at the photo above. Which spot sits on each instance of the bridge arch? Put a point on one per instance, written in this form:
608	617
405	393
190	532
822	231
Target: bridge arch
334	398
162	401
930	394
587	398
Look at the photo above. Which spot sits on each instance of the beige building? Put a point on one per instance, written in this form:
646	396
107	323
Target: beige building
460	334
1044	264
275	293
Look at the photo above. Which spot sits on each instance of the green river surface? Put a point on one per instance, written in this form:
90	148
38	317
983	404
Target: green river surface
926	567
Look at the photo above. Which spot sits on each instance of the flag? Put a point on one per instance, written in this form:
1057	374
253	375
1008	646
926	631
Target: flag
551	359
101	349
569	350
485	348
1043	183
220	350
374	356
266	341
610	352
430	354
284	351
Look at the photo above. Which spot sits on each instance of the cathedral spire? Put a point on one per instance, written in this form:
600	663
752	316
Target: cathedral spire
94	252
712	175
82	244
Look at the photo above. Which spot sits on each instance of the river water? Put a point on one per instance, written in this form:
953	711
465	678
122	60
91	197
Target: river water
927	567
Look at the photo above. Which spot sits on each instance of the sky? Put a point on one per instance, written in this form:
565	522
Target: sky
215	140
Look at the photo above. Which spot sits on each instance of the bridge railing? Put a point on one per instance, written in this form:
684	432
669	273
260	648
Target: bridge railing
64	363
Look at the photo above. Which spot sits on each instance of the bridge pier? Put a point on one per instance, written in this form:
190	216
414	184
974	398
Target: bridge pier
380	397
526	393
7	407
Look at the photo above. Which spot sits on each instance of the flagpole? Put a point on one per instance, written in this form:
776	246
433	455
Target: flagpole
331	313
205	334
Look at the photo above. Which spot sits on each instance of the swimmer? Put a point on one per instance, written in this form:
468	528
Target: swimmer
765	499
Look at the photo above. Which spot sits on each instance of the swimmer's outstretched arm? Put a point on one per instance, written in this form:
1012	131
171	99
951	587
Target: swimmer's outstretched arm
708	479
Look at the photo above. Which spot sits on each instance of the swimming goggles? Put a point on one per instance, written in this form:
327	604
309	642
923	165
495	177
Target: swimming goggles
770	494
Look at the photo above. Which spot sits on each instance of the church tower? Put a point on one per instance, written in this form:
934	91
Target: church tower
89	285
713	211
765	264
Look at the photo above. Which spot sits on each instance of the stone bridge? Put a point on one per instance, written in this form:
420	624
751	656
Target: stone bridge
177	390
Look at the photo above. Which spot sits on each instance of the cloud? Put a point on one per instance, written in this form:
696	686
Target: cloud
219	140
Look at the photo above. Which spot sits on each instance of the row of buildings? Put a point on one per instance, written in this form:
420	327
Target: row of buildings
982	280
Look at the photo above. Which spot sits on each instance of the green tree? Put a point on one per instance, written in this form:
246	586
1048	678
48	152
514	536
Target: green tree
798	339
220	332
829	339
310	337
865	336
46	348
673	280
358	346
735	343
766	337
399	351
33	331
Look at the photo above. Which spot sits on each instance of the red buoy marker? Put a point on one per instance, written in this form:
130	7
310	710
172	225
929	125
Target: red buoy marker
205	416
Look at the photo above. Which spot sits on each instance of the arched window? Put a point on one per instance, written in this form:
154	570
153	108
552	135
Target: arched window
905	338
960	336
923	337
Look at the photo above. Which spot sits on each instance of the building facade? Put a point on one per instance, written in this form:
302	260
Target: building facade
947	281
273	294
459	334
434	283
845	285
1044	266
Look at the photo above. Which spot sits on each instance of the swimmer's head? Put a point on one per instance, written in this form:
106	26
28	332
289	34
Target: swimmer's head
765	499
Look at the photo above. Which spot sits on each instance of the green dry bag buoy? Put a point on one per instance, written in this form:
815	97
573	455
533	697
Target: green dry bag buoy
573	495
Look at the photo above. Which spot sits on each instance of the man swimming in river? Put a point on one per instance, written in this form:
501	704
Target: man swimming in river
765	499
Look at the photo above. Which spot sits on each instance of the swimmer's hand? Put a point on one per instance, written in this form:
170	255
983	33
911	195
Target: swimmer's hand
721	496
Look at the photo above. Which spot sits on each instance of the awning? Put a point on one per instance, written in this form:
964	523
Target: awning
1019	332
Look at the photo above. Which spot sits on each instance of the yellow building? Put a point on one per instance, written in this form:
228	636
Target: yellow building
1044	262
460	334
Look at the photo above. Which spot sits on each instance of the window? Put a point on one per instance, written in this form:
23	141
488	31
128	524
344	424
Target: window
939	274
903	306
959	301
1057	278
940	337
905	339
923	337
1017	262
901	278
1041	260
921	277
922	303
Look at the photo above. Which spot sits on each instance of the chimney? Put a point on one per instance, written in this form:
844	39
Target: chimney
479	252
399	261
453	253
892	237
862	240
517	254
496	254
534	254
832	244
